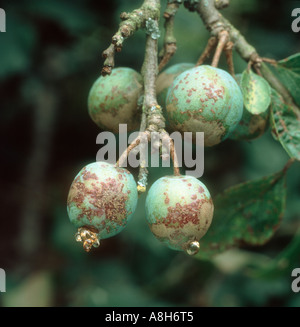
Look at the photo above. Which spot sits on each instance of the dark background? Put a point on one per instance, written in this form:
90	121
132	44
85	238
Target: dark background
49	58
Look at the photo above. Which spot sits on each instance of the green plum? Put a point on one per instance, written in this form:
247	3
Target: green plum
166	78
113	100
205	99
179	211
102	198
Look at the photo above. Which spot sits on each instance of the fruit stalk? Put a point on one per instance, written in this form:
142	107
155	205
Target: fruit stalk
223	39
125	154
207	51
229	58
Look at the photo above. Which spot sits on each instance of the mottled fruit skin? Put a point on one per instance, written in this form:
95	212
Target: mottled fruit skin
251	126
179	210
205	99
166	78
113	100
104	197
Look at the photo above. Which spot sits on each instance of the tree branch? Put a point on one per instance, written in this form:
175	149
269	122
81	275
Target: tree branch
152	118
216	23
143	171
155	118
170	46
131	22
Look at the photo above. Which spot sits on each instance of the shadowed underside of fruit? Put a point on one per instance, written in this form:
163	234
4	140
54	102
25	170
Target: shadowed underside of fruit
251	126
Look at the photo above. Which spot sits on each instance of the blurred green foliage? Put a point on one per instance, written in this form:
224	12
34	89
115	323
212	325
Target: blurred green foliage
51	53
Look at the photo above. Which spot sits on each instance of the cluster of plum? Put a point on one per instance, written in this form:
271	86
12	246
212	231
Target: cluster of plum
179	209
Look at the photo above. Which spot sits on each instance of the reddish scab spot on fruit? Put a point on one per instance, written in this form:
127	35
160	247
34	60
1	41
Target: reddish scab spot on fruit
194	197
87	175
200	189
167	200
180	215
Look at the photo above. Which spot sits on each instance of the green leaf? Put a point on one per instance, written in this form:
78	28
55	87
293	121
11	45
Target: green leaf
288	71
285	125
247	213
256	92
282	265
